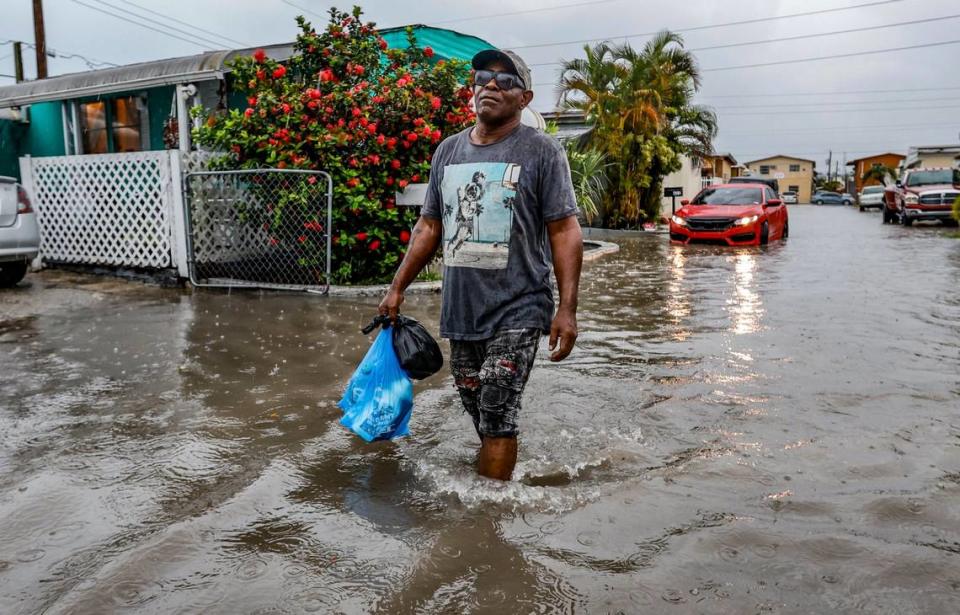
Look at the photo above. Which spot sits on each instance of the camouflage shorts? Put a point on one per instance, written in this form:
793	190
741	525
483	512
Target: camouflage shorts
491	375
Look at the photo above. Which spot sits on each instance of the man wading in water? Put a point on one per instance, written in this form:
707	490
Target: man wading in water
499	191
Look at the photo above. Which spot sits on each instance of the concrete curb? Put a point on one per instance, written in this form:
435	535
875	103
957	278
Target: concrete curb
378	290
595	249
603	248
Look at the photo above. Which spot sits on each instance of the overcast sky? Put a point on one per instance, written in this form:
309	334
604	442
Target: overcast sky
802	109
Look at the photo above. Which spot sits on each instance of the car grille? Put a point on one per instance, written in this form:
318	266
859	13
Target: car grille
710	224
939	198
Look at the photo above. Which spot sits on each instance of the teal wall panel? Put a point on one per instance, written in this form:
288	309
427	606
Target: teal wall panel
44	136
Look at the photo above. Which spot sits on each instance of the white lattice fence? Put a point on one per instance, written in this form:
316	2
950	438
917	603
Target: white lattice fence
110	209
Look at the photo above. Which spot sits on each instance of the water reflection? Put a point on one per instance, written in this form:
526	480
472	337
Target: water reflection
746	306
678	295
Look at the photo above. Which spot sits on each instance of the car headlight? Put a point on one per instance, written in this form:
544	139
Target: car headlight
911	199
679	221
746	220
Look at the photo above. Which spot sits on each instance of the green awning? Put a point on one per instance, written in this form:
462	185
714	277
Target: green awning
446	44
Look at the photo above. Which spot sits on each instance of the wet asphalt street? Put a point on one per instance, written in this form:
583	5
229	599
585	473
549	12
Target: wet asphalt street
769	430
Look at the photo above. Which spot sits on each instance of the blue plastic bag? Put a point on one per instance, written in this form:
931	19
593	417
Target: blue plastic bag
379	396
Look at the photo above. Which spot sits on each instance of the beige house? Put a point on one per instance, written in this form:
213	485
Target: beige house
932	156
793	174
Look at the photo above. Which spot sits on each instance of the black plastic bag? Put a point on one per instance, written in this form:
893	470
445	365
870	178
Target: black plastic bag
418	353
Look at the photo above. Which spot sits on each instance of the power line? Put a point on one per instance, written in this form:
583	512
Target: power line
814	59
849	102
805	36
524	12
925	108
720	25
69	55
189	25
136	23
842	92
303	8
848	128
216	44
831	57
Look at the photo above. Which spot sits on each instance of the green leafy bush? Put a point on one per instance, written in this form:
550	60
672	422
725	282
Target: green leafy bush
346	104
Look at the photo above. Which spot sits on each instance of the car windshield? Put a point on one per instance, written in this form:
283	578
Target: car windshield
872	189
940	176
728	196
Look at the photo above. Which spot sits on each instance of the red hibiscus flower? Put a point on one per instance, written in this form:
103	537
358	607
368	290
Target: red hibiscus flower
248	112
382	43
428	51
395	164
412	137
361	236
402	183
353	182
279	72
302	238
404	236
375	244
259	56
252	101
435	103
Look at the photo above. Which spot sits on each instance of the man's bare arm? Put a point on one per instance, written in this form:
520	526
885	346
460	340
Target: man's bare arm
423	244
566	242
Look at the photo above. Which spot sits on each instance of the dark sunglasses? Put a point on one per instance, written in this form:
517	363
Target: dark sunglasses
504	81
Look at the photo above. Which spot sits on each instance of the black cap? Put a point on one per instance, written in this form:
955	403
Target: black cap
511	59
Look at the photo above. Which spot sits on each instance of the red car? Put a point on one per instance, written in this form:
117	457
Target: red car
731	215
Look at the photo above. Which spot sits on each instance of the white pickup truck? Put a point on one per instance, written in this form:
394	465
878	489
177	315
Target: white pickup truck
19	233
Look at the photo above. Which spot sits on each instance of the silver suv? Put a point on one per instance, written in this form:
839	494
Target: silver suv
19	233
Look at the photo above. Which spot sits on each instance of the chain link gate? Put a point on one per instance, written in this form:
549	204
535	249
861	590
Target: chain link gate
265	228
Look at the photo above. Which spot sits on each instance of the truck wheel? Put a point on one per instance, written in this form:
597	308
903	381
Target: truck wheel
11	274
764	234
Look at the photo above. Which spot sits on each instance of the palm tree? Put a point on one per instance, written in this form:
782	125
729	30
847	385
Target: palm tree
588	168
880	173
640	105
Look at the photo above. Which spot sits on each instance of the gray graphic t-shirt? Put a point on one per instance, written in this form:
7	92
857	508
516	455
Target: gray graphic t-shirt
495	201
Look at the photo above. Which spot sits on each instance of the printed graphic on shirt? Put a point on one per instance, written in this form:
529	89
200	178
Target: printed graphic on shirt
478	202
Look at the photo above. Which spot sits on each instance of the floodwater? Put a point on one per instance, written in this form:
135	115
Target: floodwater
739	431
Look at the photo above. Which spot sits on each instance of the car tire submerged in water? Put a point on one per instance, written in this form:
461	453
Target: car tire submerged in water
786	230
764	234
818	202
11	274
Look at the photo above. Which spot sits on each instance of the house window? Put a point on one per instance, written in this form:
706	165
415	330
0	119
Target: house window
114	125
794	168
93	120
765	168
794	189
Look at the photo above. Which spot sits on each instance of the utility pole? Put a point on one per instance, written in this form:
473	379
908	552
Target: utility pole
830	166
40	39
18	61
